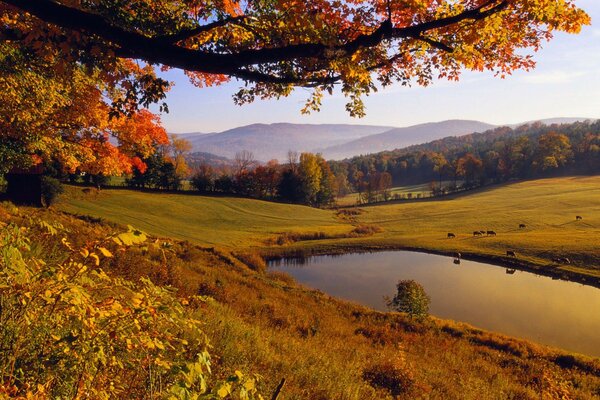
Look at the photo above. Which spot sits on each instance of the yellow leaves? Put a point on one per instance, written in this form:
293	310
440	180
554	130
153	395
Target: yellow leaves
66	243
137	299
131	237
96	258
102	327
224	390
105	252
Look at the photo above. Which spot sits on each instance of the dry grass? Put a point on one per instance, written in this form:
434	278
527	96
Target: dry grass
330	349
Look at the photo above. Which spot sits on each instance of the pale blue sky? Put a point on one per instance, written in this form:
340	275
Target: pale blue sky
565	83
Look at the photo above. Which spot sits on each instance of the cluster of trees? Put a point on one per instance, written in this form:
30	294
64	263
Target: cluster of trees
454	163
305	178
164	169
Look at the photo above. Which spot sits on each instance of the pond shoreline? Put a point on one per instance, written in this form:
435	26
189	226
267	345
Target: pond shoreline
510	263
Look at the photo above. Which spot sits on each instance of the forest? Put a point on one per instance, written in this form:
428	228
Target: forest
465	162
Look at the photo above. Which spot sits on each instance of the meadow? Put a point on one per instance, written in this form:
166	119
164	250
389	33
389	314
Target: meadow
547	207
259	322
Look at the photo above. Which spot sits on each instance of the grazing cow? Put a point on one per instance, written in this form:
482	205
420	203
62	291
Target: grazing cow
522	226
477	233
578	218
457	255
457	261
482	232
510	271
491	233
511	253
451	235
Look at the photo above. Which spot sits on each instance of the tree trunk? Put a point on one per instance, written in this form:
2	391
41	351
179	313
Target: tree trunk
24	187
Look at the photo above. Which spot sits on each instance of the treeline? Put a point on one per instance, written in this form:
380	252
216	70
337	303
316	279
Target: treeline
305	179
465	162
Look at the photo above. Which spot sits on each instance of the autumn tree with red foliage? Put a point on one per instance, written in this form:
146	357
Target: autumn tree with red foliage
276	45
73	61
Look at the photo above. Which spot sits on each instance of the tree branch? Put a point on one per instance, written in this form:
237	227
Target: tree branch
187	34
164	50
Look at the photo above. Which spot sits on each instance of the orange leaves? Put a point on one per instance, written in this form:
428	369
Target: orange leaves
201	79
277	44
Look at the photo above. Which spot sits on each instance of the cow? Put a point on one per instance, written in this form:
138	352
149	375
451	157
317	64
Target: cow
457	261
451	235
482	232
510	271
522	226
457	255
477	233
511	253
491	233
578	218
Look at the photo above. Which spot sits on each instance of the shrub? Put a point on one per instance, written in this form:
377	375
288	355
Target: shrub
253	260
69	330
394	375
410	298
365	230
51	189
202	183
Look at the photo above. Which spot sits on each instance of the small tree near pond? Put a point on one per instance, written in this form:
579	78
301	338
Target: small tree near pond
410	298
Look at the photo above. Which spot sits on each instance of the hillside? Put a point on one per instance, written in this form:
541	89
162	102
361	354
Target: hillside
335	141
402	137
255	322
243	223
273	141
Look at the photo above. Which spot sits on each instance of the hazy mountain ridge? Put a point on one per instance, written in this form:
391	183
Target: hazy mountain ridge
403	137
335	141
269	141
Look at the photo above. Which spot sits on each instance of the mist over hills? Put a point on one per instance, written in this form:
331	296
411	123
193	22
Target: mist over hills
334	141
403	137
273	141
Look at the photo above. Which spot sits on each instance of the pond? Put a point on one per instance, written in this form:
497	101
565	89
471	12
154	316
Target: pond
553	312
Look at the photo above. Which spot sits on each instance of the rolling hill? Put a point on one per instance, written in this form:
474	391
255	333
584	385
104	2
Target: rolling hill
402	137
334	141
273	141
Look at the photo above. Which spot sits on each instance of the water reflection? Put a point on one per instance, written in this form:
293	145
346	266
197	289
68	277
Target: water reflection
554	312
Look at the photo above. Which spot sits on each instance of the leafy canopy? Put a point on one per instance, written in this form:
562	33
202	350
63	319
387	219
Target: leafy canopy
274	45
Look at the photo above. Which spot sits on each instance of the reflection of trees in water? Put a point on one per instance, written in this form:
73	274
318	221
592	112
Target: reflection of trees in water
299	260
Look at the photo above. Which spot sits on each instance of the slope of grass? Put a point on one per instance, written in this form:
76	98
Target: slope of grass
547	207
325	348
213	221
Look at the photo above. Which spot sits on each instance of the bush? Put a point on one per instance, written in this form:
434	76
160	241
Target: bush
70	330
51	189
394	375
253	260
202	183
411	299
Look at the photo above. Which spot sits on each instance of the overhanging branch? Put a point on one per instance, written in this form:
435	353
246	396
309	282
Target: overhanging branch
166	50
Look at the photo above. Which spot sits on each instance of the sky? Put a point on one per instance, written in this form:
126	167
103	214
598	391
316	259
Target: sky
565	83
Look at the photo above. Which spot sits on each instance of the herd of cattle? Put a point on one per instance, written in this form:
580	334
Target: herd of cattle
509	253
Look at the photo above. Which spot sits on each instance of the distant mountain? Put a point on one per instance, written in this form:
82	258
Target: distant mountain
275	140
403	137
335	141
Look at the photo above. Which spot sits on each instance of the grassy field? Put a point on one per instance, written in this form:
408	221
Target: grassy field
261	322
213	221
547	207
422	190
